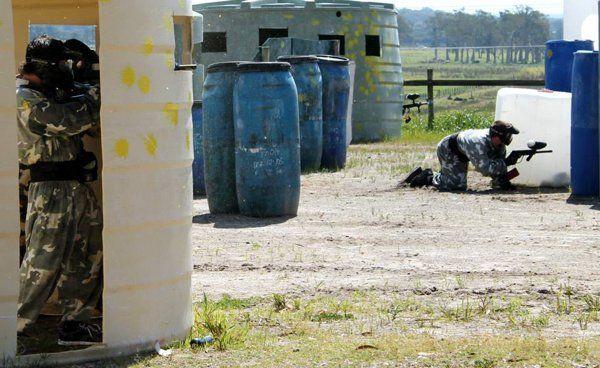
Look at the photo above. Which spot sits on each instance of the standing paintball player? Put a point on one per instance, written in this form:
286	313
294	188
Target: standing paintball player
485	149
63	221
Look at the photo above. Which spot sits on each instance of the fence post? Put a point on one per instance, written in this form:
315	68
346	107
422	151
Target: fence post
430	98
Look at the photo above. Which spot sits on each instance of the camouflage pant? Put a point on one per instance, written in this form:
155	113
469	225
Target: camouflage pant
24	177
64	251
453	173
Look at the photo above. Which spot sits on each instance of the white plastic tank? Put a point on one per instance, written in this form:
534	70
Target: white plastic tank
9	225
146	177
581	20
541	116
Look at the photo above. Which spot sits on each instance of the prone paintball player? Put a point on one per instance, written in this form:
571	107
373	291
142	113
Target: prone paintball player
63	221
484	148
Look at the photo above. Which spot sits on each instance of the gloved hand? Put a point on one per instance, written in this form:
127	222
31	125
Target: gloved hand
511	159
503	183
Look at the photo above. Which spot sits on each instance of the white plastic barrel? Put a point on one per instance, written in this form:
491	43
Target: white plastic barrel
581	20
9	225
146	178
542	116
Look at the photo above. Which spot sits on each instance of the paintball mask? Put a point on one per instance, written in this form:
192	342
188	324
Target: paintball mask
504	131
49	59
87	66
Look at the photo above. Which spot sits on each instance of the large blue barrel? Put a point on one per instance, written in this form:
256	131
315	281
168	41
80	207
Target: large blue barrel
198	165
559	62
219	137
267	138
309	84
584	125
336	93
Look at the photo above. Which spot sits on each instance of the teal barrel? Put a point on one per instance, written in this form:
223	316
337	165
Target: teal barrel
198	164
559	62
336	95
585	178
267	139
219	138
309	84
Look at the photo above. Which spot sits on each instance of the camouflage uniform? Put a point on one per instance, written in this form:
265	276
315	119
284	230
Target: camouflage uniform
24	177
477	146
64	222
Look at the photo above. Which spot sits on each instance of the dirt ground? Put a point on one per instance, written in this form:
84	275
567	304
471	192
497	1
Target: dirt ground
356	231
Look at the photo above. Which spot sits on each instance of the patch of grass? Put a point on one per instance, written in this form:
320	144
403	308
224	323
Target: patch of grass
222	328
279	302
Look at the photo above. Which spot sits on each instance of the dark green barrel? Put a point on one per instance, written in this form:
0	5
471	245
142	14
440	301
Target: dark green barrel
267	139
309	84
219	138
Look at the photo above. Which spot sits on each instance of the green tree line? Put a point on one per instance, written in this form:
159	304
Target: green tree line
521	26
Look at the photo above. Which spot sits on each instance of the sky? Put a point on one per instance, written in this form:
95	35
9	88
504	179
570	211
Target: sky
550	7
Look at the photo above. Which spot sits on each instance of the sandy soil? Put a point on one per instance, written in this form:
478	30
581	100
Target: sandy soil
356	231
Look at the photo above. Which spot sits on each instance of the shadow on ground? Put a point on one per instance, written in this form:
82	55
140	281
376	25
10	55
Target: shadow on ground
238	221
593	202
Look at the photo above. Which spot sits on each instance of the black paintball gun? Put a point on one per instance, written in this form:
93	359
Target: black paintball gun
535	147
413	97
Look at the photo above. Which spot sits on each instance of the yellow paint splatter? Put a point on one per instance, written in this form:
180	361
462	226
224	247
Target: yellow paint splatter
347	17
128	76
168	21
170	61
25	105
316	22
148	46
171	111
182	4
288	16
188	141
122	148
151	144
144	84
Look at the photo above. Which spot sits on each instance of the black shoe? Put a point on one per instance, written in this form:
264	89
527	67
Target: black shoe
425	178
72	333
409	178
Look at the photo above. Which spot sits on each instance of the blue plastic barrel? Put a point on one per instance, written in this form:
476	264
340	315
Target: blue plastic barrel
559	62
267	138
584	125
336	93
309	84
219	138
198	164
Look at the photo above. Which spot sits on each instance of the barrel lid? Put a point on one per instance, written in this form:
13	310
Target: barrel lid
264	67
228	66
552	42
296	59
330	59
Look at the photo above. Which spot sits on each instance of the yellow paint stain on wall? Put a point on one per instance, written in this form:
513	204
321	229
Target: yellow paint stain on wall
148	47
188	141
347	17
288	16
168	21
128	76
315	22
151	144
182	4
122	148
171	111
170	61
144	84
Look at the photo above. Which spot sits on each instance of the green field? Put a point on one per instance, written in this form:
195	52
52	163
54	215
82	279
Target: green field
482	99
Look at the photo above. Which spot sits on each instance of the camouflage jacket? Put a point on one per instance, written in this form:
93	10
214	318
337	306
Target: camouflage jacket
477	146
49	131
